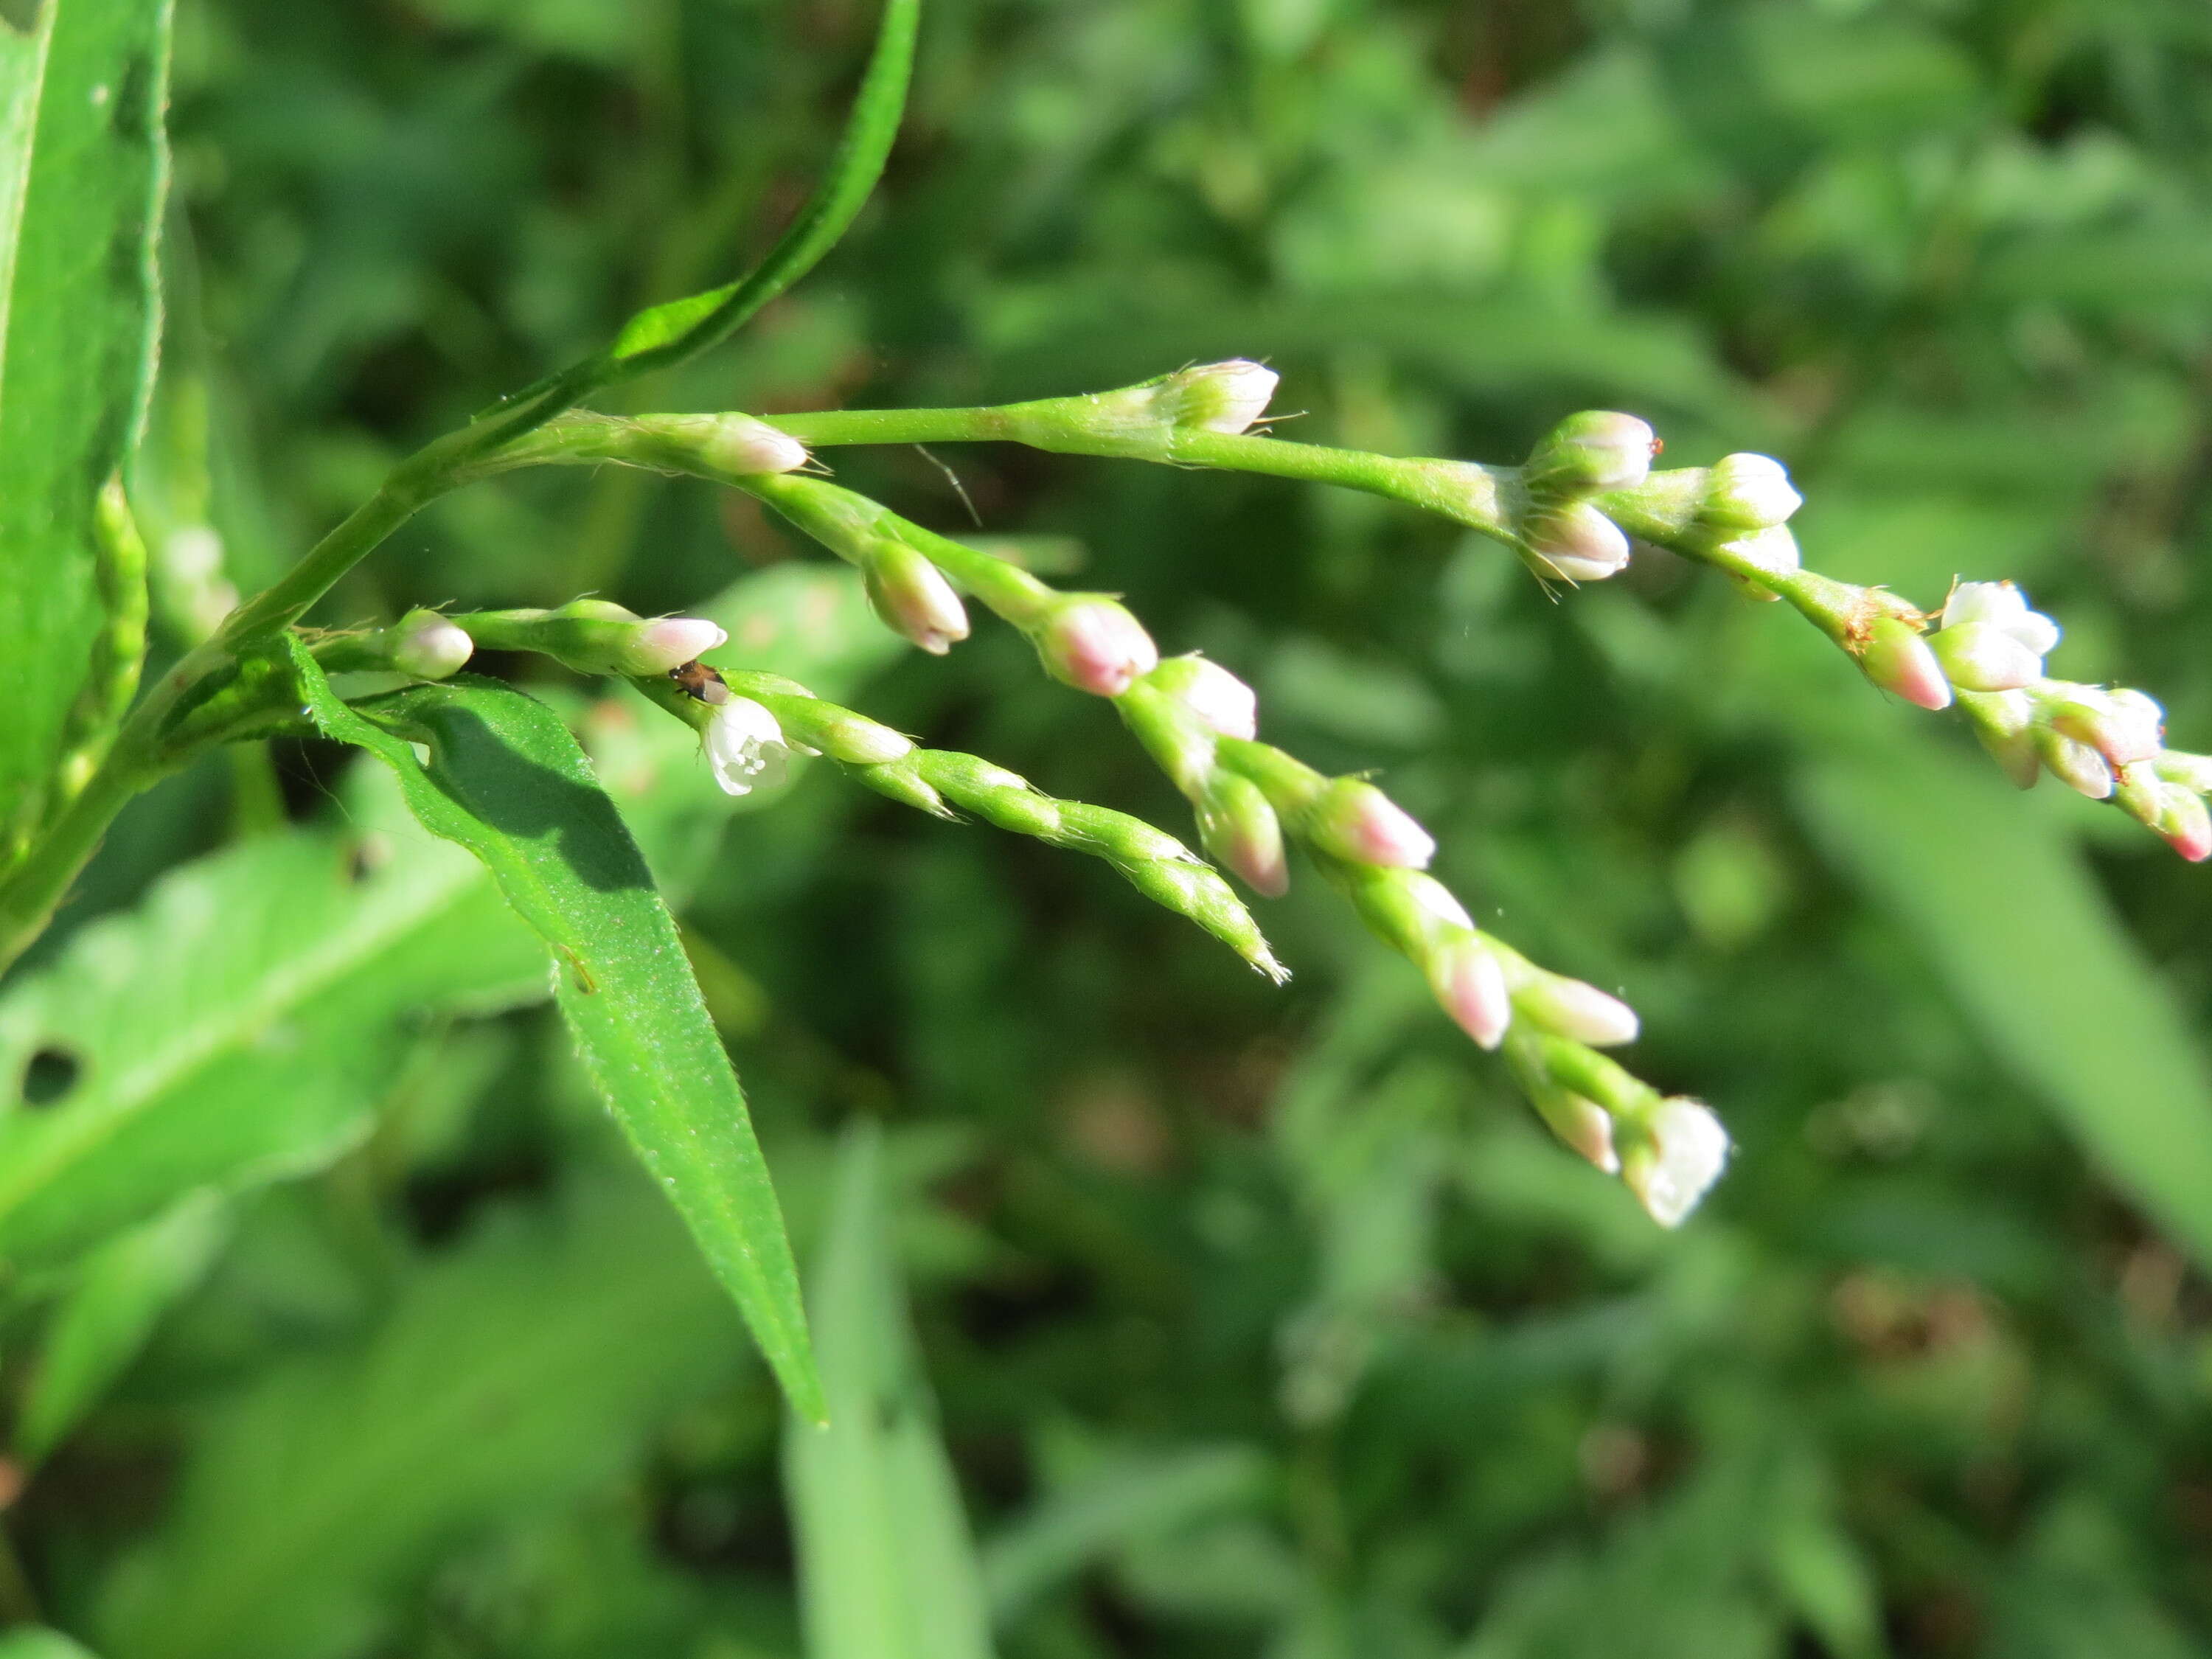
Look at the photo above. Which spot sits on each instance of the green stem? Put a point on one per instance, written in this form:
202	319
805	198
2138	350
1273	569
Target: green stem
1480	497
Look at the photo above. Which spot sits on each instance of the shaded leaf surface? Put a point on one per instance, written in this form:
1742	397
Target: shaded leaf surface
506	780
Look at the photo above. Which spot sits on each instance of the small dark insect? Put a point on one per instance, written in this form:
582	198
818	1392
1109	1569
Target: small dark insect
700	680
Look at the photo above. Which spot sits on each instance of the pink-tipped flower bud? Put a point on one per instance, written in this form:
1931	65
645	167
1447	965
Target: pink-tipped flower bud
1748	492
1092	643
1217	397
1680	1151
2002	606
1896	659
745	746
1575	543
1222	702
1470	984
1581	1124
913	598
429	647
2122	726
1354	820
2168	809
1977	657
666	642
1238	827
2005	723
2076	765
1596	449
1571	1008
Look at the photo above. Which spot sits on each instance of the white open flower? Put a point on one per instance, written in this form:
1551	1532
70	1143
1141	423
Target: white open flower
1685	1148
745	746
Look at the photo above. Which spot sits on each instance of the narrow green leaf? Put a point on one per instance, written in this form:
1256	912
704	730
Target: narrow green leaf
105	1319
1132	1500
665	335
82	169
507	781
887	1566
29	1644
237	1026
2000	896
520	1373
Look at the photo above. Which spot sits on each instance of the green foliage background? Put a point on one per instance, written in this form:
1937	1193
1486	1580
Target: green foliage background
1254	1322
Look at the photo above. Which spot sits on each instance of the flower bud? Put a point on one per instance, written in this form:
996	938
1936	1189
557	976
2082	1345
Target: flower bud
1596	449
1092	643
2192	772
742	445
1575	543
745	747
1470	983
1238	827
1977	657
2171	810
1224	397
1677	1153
429	647
1748	492
2122	726
1570	1008
912	597
1582	1124
1222	702
666	642
2002	606
2005	721
2076	765
1896	659
1352	819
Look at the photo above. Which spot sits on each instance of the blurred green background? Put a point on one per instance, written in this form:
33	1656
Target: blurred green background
1257	1323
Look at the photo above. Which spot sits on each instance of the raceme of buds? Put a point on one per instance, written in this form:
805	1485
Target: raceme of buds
1676	1150
1352	819
911	597
745	747
1226	397
1222	702
1597	449
1575	543
1748	492
429	647
1895	658
1089	641
1238	827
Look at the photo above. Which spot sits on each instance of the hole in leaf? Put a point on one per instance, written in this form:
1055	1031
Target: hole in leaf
51	1074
